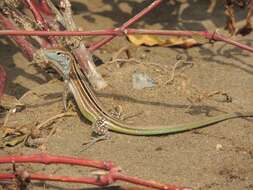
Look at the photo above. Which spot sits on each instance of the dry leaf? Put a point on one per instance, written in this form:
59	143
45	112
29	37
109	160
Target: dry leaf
151	40
14	141
12	137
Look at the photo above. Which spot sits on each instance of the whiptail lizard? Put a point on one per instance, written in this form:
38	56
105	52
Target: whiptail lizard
102	121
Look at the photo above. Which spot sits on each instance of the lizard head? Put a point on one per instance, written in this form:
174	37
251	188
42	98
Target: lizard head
59	59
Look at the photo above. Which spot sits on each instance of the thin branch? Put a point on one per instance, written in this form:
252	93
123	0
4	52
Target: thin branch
112	175
130	22
52	119
57	33
36	13
208	35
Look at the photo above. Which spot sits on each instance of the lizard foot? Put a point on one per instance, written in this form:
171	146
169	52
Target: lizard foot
93	141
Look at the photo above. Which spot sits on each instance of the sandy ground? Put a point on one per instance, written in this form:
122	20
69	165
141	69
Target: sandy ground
214	158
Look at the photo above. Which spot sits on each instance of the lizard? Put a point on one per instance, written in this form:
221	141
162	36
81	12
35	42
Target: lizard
90	107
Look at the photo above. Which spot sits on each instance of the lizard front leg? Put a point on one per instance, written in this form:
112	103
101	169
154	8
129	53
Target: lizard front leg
100	133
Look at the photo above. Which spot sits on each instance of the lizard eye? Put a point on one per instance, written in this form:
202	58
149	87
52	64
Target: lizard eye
60	54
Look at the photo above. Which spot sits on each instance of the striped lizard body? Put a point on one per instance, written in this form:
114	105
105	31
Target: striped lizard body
101	120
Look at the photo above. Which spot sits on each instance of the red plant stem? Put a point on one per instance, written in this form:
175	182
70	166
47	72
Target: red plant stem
36	13
45	8
25	46
131	21
101	181
47	159
84	180
39	18
209	35
58	33
104	180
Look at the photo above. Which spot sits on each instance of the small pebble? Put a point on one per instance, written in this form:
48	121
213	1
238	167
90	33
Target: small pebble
143	56
219	147
142	80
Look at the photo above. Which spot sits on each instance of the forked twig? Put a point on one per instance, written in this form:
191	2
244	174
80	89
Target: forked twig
112	175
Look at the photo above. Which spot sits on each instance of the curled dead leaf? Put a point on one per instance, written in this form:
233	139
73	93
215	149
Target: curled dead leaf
12	137
152	40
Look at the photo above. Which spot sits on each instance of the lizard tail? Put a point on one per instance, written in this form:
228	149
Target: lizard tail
163	130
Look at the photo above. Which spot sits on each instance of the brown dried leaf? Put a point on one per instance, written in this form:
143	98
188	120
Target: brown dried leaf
151	40
14	141
145	40
12	137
